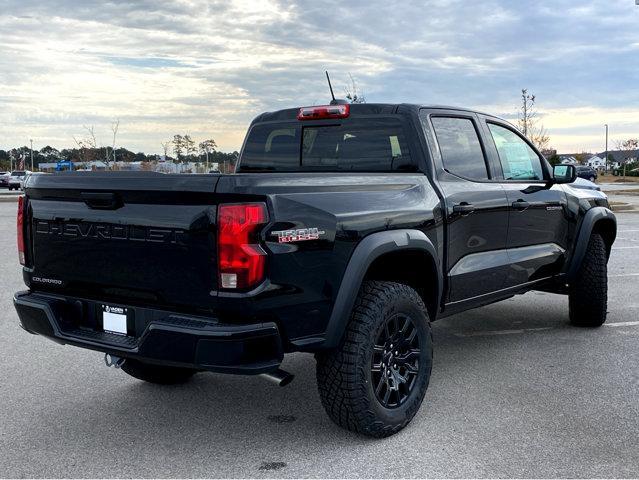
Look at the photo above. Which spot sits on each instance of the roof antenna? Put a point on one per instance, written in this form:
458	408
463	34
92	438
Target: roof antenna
328	79
334	101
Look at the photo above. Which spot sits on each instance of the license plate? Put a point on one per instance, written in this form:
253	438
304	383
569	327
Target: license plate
114	319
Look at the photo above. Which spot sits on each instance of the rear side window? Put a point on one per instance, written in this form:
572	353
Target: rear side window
460	148
271	148
518	160
364	145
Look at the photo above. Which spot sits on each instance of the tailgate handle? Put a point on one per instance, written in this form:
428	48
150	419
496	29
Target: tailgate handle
102	201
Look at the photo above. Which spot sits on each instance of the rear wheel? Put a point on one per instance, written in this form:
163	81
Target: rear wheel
375	382
588	296
157	373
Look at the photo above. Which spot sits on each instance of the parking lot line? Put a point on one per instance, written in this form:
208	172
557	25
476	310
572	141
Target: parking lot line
625	248
501	332
625	275
491	333
621	324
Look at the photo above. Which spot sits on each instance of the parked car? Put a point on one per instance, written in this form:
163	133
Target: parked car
347	230
585	184
17	178
4	179
589	173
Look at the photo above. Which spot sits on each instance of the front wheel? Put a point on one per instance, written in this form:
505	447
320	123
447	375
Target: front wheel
156	373
375	381
588	296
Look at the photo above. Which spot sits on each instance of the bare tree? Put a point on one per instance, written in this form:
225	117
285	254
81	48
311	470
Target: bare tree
165	147
629	148
114	129
353	93
86	145
528	121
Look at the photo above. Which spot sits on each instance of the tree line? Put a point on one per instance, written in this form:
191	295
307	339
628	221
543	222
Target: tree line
89	149
85	153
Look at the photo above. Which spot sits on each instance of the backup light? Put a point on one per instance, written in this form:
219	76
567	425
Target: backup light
241	259
324	111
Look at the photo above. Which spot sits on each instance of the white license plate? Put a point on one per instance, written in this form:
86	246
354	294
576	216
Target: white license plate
114	319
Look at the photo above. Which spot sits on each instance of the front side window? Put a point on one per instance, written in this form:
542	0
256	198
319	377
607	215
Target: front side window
460	148
518	160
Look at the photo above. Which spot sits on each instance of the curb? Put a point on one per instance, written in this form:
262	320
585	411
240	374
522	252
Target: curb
622	207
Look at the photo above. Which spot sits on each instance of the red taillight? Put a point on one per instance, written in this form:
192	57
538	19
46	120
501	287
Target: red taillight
324	111
20	229
241	260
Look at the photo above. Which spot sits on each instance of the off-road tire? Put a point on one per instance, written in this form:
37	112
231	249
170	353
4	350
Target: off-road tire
344	376
588	296
157	373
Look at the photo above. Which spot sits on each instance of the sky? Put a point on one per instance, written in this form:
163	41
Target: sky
206	68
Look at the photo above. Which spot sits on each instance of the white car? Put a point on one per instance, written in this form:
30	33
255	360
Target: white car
4	179
585	184
16	180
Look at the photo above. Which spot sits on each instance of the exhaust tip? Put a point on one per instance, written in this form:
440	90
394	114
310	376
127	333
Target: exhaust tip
113	361
278	377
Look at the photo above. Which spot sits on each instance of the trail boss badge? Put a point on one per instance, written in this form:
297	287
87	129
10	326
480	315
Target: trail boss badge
299	235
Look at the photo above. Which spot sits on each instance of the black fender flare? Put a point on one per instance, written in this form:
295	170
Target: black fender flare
591	217
367	251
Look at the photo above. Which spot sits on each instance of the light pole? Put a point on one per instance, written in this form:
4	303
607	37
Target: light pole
31	154
606	154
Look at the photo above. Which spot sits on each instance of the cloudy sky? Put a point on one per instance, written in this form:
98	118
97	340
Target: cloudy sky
207	67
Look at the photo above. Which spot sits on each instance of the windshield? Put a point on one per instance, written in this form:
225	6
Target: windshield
369	145
17	174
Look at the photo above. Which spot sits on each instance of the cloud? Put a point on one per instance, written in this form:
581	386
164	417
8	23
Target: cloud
208	67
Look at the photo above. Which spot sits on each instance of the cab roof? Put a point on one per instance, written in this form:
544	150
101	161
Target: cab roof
364	109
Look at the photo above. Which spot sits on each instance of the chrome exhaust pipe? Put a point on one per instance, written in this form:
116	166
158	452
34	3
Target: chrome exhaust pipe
113	361
278	377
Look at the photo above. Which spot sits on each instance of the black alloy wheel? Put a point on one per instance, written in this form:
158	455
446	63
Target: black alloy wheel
395	361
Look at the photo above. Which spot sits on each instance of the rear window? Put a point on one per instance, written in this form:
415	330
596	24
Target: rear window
364	145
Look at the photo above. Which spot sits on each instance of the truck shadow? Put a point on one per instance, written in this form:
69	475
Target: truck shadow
216	417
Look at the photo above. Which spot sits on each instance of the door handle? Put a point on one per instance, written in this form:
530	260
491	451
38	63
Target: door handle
463	208
520	205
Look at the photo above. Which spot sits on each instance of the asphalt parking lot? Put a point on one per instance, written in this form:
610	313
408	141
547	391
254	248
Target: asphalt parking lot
515	392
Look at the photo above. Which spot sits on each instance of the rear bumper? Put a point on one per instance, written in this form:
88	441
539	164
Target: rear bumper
165	338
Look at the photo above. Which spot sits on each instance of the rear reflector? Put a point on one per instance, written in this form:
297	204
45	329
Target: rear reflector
324	111
241	260
20	229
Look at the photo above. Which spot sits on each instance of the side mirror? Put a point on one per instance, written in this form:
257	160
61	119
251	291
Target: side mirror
564	173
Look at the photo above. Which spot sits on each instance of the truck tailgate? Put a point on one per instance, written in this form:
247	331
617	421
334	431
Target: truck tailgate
125	238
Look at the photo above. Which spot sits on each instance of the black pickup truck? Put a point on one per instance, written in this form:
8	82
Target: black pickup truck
345	231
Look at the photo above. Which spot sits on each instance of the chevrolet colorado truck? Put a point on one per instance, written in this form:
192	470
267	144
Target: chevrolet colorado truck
344	232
